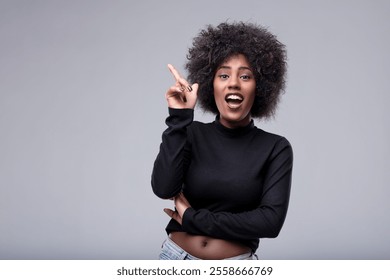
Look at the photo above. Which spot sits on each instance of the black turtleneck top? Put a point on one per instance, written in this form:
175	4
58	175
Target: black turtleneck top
236	180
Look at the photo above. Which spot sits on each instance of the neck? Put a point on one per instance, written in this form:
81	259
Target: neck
235	124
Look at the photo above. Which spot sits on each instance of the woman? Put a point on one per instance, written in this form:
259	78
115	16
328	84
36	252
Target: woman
229	180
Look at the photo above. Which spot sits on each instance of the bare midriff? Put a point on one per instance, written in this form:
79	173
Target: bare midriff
208	248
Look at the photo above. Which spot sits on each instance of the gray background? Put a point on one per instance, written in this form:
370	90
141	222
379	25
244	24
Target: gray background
82	110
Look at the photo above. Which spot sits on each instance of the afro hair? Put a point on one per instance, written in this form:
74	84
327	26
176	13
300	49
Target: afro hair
266	55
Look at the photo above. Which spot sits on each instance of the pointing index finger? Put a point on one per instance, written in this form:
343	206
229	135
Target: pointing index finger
174	72
179	79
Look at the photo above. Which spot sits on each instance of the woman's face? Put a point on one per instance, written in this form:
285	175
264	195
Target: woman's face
234	91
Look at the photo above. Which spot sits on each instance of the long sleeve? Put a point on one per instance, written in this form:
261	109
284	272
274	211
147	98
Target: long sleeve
264	221
171	161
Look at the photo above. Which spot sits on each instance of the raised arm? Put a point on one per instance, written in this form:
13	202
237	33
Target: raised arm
169	166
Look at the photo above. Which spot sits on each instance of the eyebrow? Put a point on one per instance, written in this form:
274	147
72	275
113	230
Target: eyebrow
239	68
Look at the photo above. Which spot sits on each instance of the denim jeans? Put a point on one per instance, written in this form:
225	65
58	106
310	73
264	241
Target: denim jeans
171	251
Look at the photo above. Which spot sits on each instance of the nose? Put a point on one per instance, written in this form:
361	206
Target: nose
234	82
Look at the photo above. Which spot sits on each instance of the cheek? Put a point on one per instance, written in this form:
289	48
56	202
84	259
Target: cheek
218	100
252	101
252	96
217	92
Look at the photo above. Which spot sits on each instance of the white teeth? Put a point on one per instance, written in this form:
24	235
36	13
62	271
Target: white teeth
234	97
234	101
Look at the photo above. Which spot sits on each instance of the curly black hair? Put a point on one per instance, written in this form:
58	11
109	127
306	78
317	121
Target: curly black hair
266	55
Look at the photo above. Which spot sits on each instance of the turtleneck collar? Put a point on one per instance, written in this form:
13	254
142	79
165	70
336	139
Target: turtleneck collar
233	131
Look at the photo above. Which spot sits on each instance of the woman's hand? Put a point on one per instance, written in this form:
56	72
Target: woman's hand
181	204
182	95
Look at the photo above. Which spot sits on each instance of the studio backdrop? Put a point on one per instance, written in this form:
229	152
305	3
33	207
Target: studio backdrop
82	110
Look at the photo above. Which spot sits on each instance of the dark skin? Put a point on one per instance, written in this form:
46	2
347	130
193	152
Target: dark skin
181	95
181	205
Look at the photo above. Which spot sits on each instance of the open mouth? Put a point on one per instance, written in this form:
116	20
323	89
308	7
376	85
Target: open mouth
234	100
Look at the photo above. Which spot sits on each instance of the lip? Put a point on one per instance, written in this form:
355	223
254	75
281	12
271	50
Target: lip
236	96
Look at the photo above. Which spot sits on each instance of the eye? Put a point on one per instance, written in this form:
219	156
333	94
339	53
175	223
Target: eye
223	76
245	77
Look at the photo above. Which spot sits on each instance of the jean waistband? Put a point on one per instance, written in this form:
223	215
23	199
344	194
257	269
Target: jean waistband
180	251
